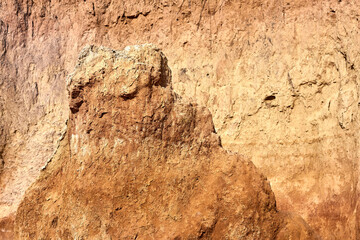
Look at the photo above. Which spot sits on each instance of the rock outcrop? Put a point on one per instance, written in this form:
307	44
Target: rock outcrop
138	163
281	79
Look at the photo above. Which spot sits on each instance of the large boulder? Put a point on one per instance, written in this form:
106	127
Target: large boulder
137	162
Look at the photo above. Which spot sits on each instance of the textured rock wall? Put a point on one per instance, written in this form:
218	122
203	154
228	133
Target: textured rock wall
138	163
280	78
32	94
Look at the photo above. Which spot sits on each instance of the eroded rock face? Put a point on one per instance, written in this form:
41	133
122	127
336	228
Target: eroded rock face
137	162
279	77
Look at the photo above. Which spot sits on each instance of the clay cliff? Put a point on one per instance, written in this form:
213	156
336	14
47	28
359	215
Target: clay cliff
137	162
279	77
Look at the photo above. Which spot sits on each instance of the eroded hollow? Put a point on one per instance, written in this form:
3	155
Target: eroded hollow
269	98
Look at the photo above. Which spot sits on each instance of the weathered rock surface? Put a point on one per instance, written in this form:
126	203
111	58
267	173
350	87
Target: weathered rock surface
7	227
138	163
280	78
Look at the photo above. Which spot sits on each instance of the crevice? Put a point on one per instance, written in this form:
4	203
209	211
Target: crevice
4	29
134	16
270	98
102	114
201	12
76	106
129	96
349	64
